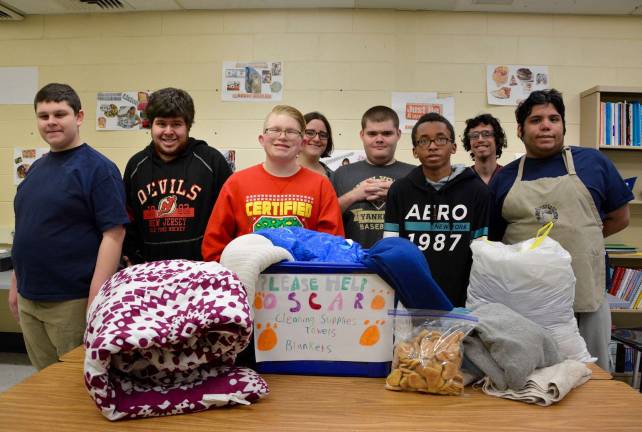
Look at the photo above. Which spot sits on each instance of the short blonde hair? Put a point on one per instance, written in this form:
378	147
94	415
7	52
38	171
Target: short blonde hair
288	111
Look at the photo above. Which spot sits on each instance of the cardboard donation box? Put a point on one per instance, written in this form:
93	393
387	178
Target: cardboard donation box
323	319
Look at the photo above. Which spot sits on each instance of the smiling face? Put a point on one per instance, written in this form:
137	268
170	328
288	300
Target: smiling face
482	148
314	147
380	141
543	132
170	135
58	125
281	148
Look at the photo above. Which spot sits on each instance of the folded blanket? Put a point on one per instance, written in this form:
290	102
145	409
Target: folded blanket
250	254
508	347
545	386
162	338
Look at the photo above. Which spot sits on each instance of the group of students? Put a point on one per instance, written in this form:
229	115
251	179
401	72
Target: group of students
179	199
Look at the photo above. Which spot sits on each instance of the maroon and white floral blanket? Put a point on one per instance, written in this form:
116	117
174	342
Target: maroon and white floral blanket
162	338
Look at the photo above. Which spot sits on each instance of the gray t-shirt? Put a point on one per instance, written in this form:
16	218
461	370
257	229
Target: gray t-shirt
363	220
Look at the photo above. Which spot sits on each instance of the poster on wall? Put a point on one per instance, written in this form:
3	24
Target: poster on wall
121	110
511	84
23	158
230	158
18	85
411	106
252	81
343	157
333	317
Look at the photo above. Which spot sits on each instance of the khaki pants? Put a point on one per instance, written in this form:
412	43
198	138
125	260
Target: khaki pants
50	328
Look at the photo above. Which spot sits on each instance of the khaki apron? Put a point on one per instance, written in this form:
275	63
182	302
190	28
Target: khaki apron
578	226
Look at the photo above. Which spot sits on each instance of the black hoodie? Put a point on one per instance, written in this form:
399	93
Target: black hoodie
169	203
442	223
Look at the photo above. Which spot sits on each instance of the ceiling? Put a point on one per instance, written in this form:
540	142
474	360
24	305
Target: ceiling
17	9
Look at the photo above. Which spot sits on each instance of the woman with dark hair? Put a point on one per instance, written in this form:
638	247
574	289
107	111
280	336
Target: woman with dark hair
317	143
484	139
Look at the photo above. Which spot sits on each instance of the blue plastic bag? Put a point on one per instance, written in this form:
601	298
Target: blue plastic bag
314	246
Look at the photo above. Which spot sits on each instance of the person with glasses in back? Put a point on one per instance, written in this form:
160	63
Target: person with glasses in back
362	186
484	139
440	207
317	143
277	193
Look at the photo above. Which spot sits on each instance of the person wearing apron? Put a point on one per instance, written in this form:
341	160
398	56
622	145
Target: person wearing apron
579	190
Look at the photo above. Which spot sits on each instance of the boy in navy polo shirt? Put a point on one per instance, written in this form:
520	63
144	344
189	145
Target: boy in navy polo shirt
69	212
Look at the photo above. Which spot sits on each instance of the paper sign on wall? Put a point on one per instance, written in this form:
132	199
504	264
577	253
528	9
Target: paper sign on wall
121	110
18	85
23	158
252	81
230	158
510	84
343	157
325	317
411	106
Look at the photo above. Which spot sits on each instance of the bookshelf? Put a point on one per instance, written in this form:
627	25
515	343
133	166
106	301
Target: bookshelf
627	159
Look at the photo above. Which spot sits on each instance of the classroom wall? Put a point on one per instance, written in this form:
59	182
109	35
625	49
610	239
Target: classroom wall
339	62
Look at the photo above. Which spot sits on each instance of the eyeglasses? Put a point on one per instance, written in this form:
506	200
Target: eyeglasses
276	132
425	142
483	134
311	133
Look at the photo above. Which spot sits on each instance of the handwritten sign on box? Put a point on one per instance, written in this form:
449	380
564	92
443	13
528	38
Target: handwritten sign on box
324	317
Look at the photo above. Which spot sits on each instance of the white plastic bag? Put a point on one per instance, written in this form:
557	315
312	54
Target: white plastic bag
535	279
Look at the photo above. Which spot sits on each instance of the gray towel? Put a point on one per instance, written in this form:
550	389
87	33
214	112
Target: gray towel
507	347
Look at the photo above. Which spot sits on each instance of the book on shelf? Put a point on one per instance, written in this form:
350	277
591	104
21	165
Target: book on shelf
620	124
616	303
626	289
622	357
619	248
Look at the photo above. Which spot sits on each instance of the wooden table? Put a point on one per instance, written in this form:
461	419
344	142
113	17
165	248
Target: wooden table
56	399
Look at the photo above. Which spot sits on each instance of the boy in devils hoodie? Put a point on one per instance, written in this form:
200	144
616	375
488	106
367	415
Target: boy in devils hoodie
171	185
440	207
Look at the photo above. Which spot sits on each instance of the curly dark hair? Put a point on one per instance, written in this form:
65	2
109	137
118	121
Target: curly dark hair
315	115
170	102
485	119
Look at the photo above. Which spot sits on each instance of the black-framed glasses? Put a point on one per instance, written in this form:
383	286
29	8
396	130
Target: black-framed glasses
311	133
276	132
474	136
425	142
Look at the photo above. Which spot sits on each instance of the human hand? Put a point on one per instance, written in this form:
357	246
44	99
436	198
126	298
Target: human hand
13	298
379	190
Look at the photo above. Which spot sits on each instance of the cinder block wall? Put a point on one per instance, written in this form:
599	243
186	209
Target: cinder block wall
339	62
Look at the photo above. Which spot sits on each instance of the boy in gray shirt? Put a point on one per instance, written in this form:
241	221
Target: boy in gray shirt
362	187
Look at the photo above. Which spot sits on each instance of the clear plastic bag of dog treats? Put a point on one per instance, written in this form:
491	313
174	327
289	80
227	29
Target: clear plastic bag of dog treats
428	351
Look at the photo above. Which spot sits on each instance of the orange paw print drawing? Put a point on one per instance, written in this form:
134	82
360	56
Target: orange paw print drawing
267	337
258	300
378	302
371	334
